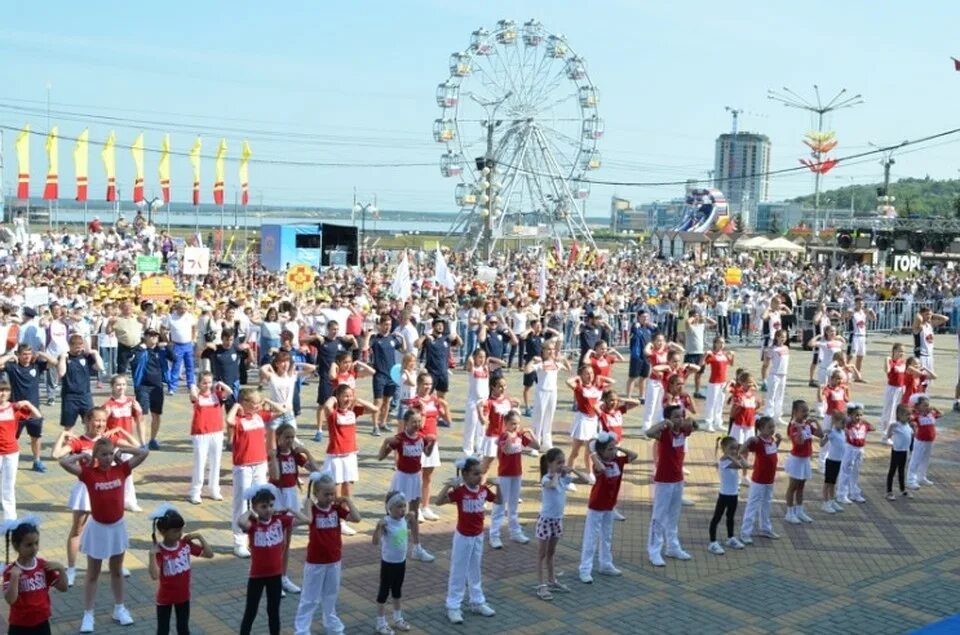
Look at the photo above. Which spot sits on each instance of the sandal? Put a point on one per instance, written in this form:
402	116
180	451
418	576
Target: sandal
543	592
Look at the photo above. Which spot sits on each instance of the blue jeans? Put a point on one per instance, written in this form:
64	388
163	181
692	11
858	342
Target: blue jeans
109	356
182	353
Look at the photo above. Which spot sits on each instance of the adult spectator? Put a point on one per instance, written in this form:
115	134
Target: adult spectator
129	332
857	322
151	370
57	345
181	329
771	321
531	346
224	359
923	330
269	333
722	308
383	347
495	337
76	367
641	334
299	357
24	368
328	347
591	332
436	350
693	342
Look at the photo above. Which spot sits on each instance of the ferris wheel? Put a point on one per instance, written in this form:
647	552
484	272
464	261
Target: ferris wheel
521	129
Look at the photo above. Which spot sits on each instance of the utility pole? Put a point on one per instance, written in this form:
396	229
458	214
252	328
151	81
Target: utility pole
486	166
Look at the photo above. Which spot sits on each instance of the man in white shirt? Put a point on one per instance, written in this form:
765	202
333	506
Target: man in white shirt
56	346
180	328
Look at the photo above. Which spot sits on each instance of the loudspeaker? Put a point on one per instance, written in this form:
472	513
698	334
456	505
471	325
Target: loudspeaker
339	240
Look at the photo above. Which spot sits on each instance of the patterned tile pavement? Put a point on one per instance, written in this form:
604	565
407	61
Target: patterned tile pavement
878	568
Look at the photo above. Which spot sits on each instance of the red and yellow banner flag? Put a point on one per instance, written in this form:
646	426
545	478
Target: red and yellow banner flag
109	157
245	155
218	173
80	161
52	190
195	162
137	151
23	163
164	169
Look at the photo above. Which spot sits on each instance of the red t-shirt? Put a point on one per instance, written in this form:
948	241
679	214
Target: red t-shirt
267	544
913	384
429	409
249	440
836	398
342	426
719	363
857	433
470	507
84	443
671	449
33	603
612	421
765	461
926	425
587	398
496	410
746	412
509	453
174	566
207	414
10	419
657	358
289	465
603	365
325	544
105	488
801	436
683	400
604	493
897	373
120	413
409	451
348	377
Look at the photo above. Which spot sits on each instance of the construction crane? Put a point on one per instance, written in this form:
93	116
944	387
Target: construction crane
736	112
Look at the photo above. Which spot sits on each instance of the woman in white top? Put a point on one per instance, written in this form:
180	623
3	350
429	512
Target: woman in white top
107	344
545	403
479	368
280	377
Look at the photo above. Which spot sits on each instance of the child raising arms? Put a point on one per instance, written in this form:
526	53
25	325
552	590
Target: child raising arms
27	580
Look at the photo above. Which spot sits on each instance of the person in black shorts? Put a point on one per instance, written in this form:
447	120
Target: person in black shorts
533	339
436	352
76	368
383	346
151	370
24	369
328	347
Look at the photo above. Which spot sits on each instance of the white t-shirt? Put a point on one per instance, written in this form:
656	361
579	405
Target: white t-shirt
901	435
729	477
837	439
181	328
393	543
779	360
553	499
57	338
546	377
281	389
410	337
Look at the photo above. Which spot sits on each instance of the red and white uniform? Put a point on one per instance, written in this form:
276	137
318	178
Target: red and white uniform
174	565
207	414
467	552
926	434
105	488
657	358
765	461
856	433
289	464
718	363
342	426
509	453
325	544
653	390
32	607
267	540
10	418
893	391
848	484
604	493
602	365
348	377
926	425
612	421
835	398
429	409
797	465
410	454
760	492
585	421
470	508
745	413
121	412
495	410
206	436
249	440
670	451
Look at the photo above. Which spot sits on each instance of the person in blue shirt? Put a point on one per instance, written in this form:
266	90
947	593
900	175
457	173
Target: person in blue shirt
436	352
76	368
151	370
641	334
383	346
493	338
328	347
24	369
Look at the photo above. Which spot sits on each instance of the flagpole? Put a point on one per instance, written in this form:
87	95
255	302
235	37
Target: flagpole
168	217
84	216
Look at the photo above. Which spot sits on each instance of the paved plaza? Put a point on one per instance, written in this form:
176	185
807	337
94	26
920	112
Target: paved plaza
881	567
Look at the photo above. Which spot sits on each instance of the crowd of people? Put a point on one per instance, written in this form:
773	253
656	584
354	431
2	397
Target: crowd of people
245	350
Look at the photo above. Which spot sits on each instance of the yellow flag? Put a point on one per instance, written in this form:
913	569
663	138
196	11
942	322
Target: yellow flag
23	163
245	155
195	162
218	173
109	157
80	160
164	169
52	191
137	151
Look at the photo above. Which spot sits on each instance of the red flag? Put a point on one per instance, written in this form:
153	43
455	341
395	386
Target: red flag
956	64
574	251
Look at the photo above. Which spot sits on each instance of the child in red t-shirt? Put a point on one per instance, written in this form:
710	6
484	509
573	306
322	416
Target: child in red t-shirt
266	529
510	448
169	564
324	511
124	412
11	414
671	447
103	470
27	580
760	494
206	434
612	409
469	494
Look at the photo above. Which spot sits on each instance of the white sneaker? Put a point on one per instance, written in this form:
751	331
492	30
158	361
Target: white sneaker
734	543
482	609
657	560
125	571
611	571
926	481
71	575
571	487
859	499
533	453
686	502
429	514
827	507
586	578
122	616
420	518
520	538
495	542
241	551
618	516
836	505
591	478
455	616
86	622
716	549
196	500
802	515
746	540
792	519
913	486
421	554
288	585
383	629
346	529
217	496
844	500
772	535
679	555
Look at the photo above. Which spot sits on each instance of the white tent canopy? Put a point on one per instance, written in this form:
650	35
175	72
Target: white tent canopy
754	243
782	244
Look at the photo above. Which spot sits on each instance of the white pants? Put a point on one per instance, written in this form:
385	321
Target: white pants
244	476
891	399
713	410
777	389
465	559
321	585
206	448
472	430
544	409
8	484
759	499
919	462
848	483
597	532
652	398
665	518
926	362
858	345
510	491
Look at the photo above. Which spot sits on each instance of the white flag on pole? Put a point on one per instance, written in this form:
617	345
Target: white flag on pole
542	286
401	286
442	274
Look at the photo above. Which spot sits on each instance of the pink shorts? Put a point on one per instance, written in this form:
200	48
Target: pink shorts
548	528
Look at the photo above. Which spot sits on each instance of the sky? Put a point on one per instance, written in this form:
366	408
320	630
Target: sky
334	85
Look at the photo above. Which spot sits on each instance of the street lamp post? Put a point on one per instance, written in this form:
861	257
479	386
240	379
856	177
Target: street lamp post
153	204
362	209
